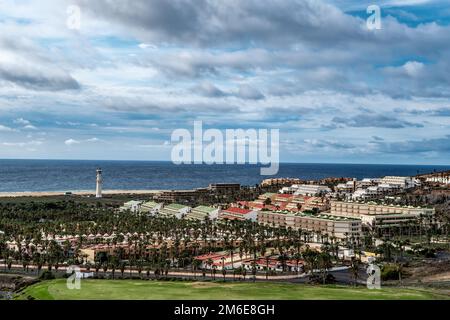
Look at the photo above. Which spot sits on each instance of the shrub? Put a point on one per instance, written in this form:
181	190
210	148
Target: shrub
47	275
390	272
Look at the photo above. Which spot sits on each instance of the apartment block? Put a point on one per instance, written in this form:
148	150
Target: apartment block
339	227
382	215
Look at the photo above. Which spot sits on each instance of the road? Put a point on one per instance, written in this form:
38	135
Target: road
341	275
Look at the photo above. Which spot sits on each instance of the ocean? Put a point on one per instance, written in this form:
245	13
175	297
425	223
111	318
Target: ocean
75	175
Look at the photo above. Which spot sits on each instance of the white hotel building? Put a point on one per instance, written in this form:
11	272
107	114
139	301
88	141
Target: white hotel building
306	190
382	216
402	182
439	179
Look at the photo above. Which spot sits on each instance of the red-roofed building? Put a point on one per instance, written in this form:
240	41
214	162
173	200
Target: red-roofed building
234	213
273	264
220	260
241	204
284	197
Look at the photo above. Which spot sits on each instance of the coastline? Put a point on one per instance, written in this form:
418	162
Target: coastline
72	193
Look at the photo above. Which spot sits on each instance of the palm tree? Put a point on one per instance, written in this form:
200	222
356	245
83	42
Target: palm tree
267	267
97	268
324	264
297	258
196	264
210	262
224	272
122	268
105	268
214	270
354	269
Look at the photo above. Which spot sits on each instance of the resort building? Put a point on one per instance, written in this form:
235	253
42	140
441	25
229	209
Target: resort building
347	187
441	179
305	203
174	196
202	212
253	205
339	227
150	207
310	189
367	182
280	181
381	215
283	198
175	210
234	213
402	182
132	206
263	198
225	187
273	264
220	260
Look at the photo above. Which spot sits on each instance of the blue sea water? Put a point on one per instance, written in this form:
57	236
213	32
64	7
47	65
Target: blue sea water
72	175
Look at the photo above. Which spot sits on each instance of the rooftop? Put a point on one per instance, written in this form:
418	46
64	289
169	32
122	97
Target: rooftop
237	211
374	203
149	204
132	203
175	206
205	209
268	195
283	195
318	216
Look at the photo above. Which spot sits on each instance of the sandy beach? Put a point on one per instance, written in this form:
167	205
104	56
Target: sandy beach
76	193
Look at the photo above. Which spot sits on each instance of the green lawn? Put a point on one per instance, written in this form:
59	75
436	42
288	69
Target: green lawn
161	290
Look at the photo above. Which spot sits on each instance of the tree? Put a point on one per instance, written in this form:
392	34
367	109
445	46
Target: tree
324	264
210	262
354	269
122	268
196	264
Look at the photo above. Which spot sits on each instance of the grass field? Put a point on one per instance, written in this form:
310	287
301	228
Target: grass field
153	290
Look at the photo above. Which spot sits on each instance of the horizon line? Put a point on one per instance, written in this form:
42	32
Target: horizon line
258	164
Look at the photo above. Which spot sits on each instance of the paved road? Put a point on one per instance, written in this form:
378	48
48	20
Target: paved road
341	276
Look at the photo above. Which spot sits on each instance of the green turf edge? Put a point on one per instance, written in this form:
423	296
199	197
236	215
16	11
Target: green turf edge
179	290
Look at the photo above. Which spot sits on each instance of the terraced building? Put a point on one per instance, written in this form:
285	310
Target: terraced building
339	227
201	212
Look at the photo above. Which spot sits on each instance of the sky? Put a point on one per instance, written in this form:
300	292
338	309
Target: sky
115	83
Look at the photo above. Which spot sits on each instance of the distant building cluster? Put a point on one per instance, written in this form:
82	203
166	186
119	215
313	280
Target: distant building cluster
371	189
280	181
345	210
282	201
223	260
440	179
173	196
340	227
306	190
382	216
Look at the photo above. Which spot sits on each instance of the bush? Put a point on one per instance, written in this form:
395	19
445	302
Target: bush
47	275
316	279
428	253
389	272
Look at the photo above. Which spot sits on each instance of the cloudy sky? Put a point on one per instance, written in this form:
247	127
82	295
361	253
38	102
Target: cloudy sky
117	86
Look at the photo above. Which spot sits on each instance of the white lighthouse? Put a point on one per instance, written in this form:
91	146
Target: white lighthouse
98	190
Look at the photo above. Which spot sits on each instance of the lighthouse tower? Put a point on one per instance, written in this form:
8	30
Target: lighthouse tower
98	190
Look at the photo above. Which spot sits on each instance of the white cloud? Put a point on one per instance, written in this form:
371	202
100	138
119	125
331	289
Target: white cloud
413	68
23	144
290	64
147	46
71	142
5	128
22	121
